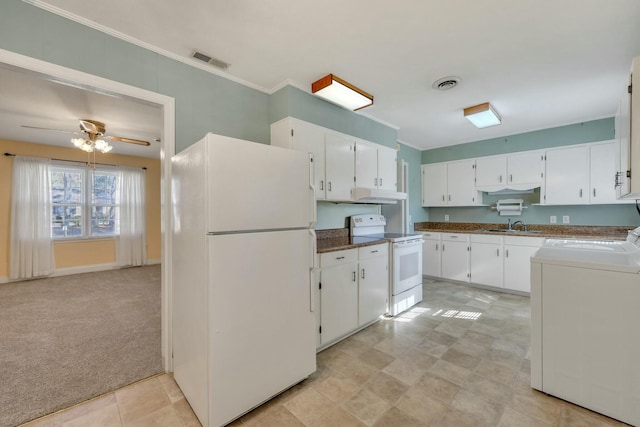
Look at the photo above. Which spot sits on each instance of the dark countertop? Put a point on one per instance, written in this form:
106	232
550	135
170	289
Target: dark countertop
542	230
337	239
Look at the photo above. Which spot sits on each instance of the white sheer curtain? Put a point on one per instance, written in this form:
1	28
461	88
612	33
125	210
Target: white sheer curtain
31	252
131	243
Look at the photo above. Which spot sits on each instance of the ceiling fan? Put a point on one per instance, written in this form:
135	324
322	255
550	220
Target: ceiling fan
95	131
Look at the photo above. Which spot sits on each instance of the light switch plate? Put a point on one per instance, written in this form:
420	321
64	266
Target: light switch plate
565	219
553	219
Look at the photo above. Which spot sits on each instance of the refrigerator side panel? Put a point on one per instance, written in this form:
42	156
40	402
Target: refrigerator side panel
255	186
262	327
190	277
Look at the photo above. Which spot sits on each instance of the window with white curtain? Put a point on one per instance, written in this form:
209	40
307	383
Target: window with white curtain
84	202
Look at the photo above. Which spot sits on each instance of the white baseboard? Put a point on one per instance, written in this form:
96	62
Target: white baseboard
81	269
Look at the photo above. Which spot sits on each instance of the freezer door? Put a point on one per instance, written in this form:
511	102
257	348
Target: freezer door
261	324
254	186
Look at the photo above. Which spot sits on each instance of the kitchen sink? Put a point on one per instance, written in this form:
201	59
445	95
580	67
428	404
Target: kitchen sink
505	230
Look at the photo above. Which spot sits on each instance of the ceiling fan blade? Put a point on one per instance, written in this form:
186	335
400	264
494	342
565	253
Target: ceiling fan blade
129	140
54	130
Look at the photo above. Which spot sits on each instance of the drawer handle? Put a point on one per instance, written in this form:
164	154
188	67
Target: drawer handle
340	257
373	252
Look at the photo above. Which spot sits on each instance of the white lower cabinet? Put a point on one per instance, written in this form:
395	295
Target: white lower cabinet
517	261
431	254
338	294
455	256
373	282
485	260
353	290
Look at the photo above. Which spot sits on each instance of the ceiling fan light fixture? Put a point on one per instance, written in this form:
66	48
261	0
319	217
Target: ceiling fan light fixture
341	92
89	146
483	115
102	146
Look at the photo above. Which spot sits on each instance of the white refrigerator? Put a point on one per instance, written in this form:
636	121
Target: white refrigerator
243	255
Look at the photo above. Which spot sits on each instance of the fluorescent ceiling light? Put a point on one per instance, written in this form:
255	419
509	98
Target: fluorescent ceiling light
482	115
340	92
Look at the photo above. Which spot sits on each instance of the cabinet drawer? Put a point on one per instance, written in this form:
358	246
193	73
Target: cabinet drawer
429	235
486	238
338	257
455	237
373	251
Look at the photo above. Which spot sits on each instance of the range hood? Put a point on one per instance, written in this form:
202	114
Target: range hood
376	196
509	188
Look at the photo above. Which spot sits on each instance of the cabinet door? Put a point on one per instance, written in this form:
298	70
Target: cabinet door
311	139
338	301
373	288
339	166
485	264
431	257
366	164
517	267
604	164
525	168
567	180
434	184
455	260
461	183
491	171
387	168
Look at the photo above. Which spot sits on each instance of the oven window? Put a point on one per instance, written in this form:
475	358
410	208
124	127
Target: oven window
409	265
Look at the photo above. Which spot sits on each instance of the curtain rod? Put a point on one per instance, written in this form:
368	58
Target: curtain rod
73	161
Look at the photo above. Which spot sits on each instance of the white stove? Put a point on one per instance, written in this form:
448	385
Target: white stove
405	284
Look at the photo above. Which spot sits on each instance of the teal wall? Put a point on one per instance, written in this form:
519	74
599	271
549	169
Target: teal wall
204	102
596	130
335	215
412	157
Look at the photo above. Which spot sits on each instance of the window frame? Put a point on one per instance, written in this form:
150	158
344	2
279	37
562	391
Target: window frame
87	202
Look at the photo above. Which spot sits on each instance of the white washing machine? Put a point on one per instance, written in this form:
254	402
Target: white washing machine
585	324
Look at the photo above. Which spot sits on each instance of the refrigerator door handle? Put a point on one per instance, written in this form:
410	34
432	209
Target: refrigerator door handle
312	271
314	207
312	187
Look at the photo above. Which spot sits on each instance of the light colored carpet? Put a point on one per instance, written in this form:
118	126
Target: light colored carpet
66	339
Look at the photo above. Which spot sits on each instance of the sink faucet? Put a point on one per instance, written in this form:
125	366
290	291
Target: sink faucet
511	225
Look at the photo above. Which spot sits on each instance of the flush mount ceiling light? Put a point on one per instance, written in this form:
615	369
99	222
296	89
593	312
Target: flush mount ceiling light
338	91
482	115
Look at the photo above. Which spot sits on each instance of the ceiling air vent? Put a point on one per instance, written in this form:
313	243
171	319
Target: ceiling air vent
209	60
446	83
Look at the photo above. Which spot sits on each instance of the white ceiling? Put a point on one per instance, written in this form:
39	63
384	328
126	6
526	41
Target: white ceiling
541	63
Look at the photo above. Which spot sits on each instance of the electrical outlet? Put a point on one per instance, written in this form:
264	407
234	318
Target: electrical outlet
565	219
446	218
553	219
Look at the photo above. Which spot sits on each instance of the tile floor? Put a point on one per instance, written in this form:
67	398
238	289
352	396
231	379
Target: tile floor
460	358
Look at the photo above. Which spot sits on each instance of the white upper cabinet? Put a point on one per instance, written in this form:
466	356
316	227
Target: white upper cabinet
525	168
339	166
449	184
376	166
366	164
461	183
604	163
434	184
567	176
491	171
518	171
387	168
302	136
